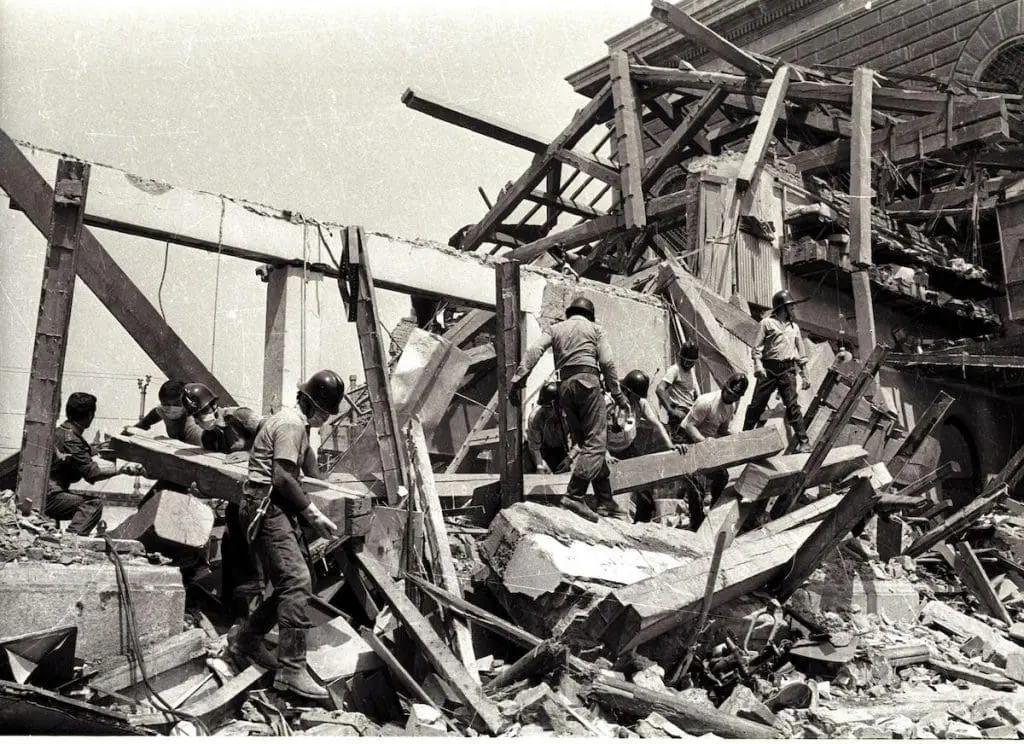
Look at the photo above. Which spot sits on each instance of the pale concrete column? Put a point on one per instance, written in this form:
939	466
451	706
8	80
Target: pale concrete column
292	335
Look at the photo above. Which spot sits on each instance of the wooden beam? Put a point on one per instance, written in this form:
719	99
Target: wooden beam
697	629
580	124
671	150
924	427
473	121
775	104
955	359
825	441
997	490
482	422
973	121
101	274
593	166
980	584
442	659
926	482
764	481
860	211
402	676
693	29
437	538
628	142
160	657
561	203
43	403
856	504
364	305
213	707
508	343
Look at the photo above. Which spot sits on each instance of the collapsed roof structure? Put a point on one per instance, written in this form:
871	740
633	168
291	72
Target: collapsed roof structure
679	200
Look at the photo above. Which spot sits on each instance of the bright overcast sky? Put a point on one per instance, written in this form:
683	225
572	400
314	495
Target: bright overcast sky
296	104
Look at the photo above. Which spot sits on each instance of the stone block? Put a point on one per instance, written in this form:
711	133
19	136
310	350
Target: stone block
897	599
37	596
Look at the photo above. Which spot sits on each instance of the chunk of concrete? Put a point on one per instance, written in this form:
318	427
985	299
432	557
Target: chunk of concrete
36	596
169	522
335	650
897	599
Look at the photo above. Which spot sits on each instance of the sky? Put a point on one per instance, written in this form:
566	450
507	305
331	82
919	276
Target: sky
295	105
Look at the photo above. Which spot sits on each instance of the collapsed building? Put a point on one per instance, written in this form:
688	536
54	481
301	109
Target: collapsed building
870	588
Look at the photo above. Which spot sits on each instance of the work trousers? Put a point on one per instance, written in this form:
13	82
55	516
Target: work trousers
84	510
278	547
702	490
780	376
240	572
554	457
586	417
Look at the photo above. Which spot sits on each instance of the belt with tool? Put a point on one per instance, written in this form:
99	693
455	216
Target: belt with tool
259	495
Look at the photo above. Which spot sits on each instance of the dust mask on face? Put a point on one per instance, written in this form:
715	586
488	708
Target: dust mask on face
207	421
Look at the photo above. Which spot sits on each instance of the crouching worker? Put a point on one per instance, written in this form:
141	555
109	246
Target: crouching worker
711	417
273	503
73	460
231	430
545	433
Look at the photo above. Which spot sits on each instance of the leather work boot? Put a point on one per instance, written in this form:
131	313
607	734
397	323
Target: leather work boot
607	506
292	675
802	448
575	499
247	646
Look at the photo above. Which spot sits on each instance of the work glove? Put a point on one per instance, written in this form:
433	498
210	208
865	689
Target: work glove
323	526
515	392
679	448
131	468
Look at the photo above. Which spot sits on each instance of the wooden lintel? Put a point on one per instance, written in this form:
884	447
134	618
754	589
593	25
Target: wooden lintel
599	168
580	124
670	151
474	122
775	104
629	142
100	273
693	29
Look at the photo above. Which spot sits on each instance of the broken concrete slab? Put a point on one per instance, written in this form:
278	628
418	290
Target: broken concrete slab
45	595
169	522
897	599
964	626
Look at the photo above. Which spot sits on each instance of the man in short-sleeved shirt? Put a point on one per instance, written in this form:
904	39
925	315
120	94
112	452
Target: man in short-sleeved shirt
678	388
711	416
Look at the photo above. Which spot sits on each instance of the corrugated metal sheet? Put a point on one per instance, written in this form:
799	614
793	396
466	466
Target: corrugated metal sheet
760	269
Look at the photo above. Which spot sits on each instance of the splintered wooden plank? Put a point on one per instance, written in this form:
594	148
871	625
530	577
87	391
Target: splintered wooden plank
925	425
435	649
774	105
765	481
629	142
671	149
980	584
104	278
580	124
473	121
217	705
42	406
835	425
856	504
693	29
437	538
166	459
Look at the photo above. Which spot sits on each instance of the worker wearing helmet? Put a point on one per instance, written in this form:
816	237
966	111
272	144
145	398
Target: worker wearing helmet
624	423
545	433
232	431
712	416
678	388
274	501
779	355
582	358
172	412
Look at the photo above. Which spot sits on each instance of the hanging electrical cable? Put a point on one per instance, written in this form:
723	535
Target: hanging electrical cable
216	284
163	275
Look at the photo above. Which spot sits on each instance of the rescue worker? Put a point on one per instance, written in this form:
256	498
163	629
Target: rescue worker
74	460
582	358
779	355
639	417
274	501
711	417
172	412
545	433
232	431
678	388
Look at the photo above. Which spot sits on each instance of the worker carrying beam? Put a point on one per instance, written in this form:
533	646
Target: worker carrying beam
582	358
274	500
232	431
779	354
74	460
173	414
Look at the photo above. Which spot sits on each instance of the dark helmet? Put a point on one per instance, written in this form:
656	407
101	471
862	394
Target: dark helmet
637	383
689	351
548	394
580	306
196	396
325	389
737	384
783	298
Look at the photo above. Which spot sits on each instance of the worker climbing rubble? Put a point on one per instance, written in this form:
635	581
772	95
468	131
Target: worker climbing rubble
231	430
779	355
582	358
274	500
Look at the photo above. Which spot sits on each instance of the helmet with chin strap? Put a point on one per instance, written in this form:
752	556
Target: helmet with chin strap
325	390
